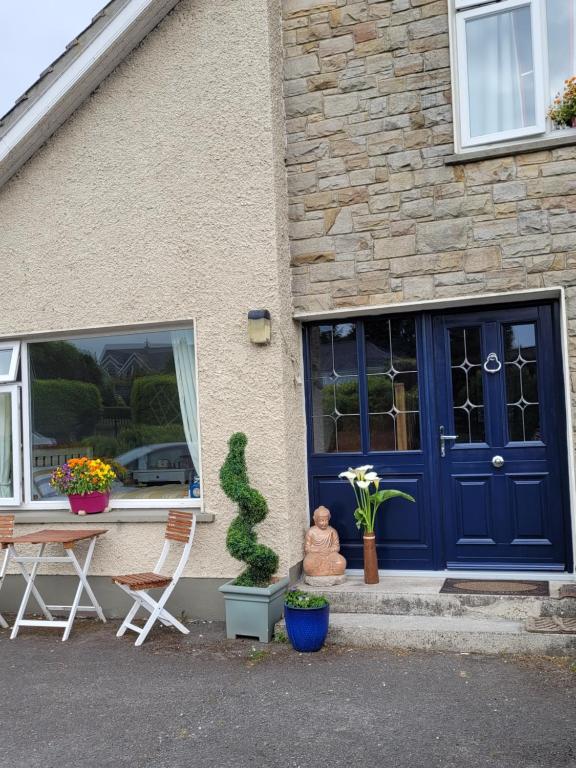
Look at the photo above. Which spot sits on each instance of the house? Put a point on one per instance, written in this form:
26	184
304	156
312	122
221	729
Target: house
383	179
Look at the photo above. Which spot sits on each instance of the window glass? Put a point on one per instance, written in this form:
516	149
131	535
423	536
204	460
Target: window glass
392	374
9	359
560	23
129	399
467	385
521	382
6	442
335	393
501	83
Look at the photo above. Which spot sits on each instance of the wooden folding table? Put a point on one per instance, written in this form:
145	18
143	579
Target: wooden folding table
68	539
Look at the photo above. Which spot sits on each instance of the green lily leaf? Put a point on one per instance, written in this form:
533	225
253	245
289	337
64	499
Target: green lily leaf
381	496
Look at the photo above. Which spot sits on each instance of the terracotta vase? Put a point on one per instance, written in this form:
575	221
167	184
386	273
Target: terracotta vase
370	559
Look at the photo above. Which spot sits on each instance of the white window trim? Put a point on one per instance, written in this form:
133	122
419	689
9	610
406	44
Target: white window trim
13	369
463	143
24	468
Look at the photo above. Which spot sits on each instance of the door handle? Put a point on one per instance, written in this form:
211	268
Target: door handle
498	461
443	439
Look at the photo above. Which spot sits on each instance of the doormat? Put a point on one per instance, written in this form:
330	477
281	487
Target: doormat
491	587
552	625
567	590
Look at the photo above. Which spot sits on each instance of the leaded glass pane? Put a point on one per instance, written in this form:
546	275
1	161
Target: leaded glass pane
522	400
335	390
392	373
467	384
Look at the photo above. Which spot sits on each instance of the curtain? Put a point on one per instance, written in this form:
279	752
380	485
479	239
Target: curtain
6	488
500	72
185	364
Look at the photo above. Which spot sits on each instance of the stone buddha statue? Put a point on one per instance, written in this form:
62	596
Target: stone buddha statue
323	563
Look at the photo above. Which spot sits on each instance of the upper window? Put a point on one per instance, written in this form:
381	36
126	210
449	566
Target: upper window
128	398
513	57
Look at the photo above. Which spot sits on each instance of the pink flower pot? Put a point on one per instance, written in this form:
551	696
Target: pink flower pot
88	503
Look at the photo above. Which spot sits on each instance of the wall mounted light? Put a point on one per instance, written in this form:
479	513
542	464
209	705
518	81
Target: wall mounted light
259	326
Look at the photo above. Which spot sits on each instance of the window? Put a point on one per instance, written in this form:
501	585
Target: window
129	398
512	59
364	372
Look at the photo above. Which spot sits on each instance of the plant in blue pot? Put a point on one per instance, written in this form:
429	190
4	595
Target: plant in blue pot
306	617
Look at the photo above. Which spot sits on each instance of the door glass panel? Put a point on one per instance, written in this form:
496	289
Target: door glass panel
335	391
467	385
521	382
392	381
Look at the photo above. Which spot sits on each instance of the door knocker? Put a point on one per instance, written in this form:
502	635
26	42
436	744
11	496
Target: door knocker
492	359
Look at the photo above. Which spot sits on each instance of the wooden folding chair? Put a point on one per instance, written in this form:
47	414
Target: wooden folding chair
6	533
180	528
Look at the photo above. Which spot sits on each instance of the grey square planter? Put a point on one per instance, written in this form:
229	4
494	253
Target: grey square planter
253	611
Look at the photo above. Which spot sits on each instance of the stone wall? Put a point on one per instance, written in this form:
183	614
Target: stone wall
377	216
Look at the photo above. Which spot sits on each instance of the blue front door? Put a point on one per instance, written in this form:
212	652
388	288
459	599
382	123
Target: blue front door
499	392
383	390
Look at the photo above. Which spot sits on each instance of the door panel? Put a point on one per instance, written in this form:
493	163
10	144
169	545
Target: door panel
389	403
500	396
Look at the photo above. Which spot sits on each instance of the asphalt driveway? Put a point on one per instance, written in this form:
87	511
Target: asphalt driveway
96	701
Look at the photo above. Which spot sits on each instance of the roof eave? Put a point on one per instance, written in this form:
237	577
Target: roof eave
45	114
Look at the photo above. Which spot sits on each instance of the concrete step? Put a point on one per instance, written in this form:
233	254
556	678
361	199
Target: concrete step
445	633
413	596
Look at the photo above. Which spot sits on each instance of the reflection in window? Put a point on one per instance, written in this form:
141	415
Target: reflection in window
129	399
392	379
467	386
335	395
6	457
561	33
521	382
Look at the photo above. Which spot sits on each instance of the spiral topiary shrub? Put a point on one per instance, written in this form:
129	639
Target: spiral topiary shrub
241	539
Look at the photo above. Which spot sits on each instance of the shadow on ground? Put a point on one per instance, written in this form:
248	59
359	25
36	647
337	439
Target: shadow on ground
97	701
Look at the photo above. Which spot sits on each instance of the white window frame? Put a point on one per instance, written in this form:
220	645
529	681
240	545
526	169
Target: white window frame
491	9
24	411
13	368
14	390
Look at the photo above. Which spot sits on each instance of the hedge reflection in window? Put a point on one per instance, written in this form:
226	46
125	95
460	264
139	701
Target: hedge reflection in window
335	398
129	399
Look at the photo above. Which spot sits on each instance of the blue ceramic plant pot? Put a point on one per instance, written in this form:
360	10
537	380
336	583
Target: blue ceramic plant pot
307	627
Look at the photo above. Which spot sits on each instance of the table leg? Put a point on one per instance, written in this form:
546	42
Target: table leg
37	596
83	584
29	589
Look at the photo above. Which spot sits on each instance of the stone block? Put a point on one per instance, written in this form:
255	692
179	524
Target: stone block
301	66
403	102
335	45
509	191
489	171
530	222
394	247
343	223
306	151
302	183
439	236
483	259
295	8
344	104
309	228
335	270
496	230
403	161
429	264
416	288
386	202
305	104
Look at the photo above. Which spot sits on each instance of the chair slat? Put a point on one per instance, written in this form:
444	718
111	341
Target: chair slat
6	525
179	526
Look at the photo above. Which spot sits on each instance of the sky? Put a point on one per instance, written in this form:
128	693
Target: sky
32	34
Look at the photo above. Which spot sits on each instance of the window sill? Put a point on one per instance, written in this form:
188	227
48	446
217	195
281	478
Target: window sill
516	148
113	516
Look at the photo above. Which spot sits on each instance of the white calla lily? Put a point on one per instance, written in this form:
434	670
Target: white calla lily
363	483
364	468
371	477
349	475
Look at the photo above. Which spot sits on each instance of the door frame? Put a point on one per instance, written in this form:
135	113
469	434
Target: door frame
469	303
